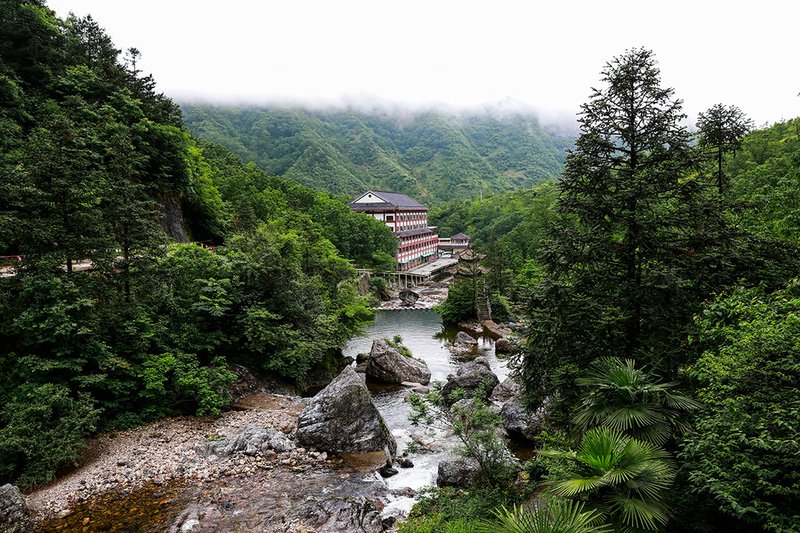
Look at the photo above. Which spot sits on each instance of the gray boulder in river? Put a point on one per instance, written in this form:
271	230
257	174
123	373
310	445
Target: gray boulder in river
469	377
248	441
343	418
505	390
457	472
521	422
462	337
14	516
388	365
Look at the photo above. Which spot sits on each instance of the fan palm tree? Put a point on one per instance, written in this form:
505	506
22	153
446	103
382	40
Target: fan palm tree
624	478
629	400
559	516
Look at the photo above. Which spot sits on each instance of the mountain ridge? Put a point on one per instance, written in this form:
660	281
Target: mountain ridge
434	156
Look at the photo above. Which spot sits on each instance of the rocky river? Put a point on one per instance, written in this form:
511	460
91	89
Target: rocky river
173	476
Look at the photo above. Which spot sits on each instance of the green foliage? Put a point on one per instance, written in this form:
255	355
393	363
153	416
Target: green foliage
396	342
41	431
460	304
721	129
509	227
619	396
432	157
449	510
625	479
474	423
251	198
170	379
765	181
744	457
97	168
643	242
558	516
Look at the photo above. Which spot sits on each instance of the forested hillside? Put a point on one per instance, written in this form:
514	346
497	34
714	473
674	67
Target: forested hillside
431	156
658	277
97	170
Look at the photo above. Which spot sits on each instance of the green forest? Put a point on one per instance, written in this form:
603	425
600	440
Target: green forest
96	167
433	157
658	280
147	248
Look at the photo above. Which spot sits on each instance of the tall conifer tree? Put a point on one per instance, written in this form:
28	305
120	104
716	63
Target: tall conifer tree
641	244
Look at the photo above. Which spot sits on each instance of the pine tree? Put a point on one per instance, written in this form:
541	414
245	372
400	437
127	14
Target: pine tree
722	129
642	242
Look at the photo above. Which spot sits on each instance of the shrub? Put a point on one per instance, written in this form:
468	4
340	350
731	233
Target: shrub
42	429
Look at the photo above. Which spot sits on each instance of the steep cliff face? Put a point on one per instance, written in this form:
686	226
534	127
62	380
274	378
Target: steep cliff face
171	218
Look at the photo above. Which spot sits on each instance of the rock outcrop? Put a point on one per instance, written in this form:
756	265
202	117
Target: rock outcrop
464	345
408	297
462	337
387	365
504	346
14	516
458	472
343	418
249	441
470	377
505	390
520	422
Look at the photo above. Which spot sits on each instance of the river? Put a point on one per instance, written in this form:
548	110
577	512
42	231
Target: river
422	332
250	493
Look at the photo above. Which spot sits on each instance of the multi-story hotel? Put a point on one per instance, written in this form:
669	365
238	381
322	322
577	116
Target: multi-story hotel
408	219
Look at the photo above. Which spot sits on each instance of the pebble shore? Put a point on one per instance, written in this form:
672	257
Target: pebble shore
165	450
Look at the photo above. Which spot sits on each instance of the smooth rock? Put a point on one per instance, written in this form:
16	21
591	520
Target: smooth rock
388	365
458	472
462	337
520	422
343	418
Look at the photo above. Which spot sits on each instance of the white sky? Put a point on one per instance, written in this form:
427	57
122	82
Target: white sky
545	55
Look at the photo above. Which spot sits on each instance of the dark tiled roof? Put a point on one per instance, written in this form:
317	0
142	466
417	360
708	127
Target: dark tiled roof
393	199
460	236
414	232
397	199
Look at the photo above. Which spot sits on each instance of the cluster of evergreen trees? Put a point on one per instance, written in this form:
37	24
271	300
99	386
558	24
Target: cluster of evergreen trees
657	277
94	166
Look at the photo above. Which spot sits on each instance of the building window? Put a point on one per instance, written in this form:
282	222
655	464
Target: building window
389	218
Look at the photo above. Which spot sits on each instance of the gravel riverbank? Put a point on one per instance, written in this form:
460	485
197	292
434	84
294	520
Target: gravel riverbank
167	451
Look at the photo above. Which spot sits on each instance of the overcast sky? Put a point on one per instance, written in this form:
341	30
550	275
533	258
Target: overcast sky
546	55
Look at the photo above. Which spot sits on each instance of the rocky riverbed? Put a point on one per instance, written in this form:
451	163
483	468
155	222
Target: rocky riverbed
167	476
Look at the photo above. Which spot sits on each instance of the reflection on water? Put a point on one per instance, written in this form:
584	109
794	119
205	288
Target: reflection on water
424	335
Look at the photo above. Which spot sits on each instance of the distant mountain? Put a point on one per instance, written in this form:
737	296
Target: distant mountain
433	157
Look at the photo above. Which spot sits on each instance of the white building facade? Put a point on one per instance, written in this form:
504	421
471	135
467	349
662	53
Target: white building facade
418	243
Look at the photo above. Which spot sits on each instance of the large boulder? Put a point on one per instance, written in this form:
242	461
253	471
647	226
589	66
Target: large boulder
343	418
14	516
520	422
505	390
464	345
248	441
386	364
469	377
462	337
504	346
458	472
